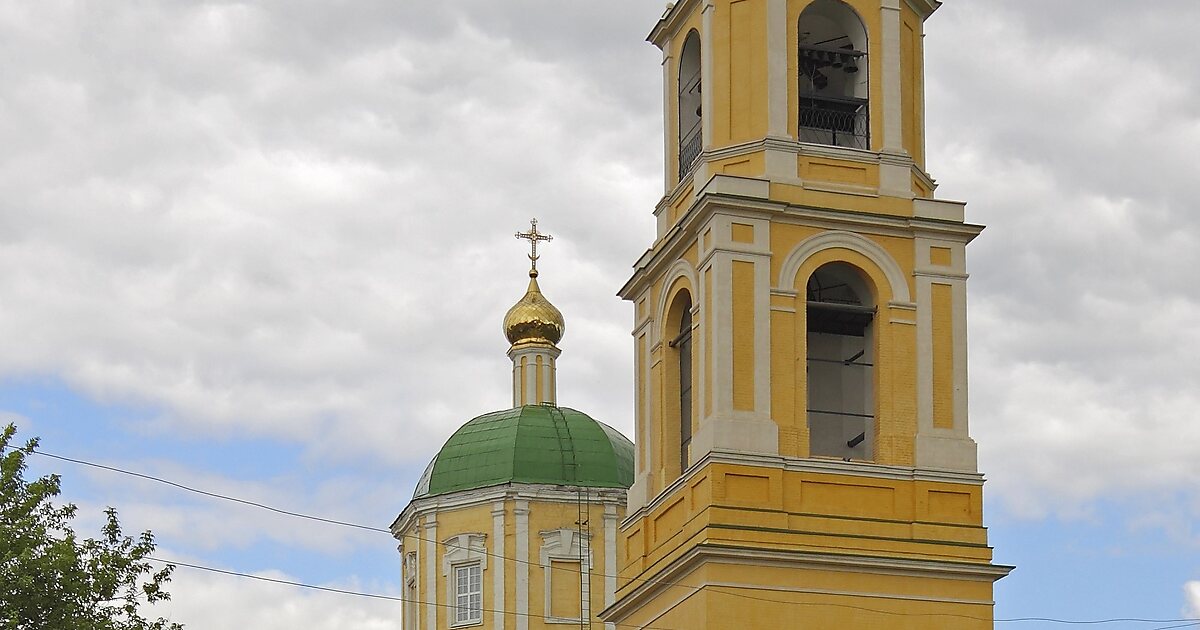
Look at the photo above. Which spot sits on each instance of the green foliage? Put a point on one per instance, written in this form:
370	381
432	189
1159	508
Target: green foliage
49	578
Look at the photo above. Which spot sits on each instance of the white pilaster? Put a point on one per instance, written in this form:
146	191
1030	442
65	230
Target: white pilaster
889	65
610	558
777	79
521	515
497	599
668	135
949	448
726	428
706	74
429	565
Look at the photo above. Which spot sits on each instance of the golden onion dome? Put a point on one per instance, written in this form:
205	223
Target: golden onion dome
533	319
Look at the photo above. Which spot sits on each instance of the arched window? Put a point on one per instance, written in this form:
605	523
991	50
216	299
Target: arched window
833	103
690	140
683	343
841	420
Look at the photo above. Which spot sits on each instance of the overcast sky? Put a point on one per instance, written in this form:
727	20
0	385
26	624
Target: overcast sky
264	249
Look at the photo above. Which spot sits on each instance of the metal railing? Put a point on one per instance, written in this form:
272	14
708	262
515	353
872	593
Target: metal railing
689	151
840	122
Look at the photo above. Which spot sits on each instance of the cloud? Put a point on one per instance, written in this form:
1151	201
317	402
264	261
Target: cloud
249	603
1192	592
207	524
295	224
1083	310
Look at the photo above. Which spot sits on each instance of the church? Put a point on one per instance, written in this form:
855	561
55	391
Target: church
801	455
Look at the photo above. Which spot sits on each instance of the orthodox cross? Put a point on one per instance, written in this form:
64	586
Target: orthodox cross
533	236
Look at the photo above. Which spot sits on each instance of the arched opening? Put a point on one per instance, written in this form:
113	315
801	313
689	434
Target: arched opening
840	363
684	344
689	113
833	99
680	398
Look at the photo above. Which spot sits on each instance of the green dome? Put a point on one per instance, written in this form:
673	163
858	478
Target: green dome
530	444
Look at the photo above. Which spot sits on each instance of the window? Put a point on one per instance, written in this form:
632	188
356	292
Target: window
833	103
689	103
468	594
841	421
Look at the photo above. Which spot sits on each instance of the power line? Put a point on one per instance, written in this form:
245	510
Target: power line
342	591
206	493
1183	622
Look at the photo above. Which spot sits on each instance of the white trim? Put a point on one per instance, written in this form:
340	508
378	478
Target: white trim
853	242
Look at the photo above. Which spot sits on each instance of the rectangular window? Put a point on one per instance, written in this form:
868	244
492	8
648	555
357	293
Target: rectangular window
468	594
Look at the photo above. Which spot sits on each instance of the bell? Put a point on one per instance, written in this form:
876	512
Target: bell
851	65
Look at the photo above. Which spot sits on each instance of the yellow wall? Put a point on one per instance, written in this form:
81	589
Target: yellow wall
543	515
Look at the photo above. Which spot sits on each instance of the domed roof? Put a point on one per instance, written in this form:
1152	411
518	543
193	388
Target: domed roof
533	318
530	444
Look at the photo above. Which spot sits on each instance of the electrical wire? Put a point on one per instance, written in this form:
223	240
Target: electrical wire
342	591
1183	622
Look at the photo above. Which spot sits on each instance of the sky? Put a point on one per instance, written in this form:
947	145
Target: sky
264	249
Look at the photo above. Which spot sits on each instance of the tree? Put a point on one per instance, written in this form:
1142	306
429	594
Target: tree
52	580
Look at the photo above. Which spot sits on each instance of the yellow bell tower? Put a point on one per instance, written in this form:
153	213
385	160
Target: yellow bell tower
802	457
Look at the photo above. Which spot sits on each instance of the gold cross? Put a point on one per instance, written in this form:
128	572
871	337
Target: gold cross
533	236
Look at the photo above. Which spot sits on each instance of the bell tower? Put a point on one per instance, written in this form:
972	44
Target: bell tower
800	332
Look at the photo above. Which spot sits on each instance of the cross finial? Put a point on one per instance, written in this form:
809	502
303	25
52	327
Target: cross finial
533	236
